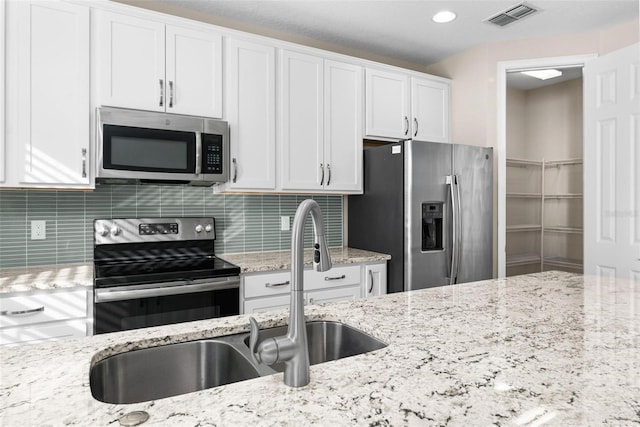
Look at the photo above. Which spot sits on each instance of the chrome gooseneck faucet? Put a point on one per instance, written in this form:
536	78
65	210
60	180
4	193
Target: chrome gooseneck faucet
292	347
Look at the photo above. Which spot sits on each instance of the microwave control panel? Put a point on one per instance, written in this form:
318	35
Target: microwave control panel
212	153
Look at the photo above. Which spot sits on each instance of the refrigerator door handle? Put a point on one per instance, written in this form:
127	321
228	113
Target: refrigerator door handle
458	242
451	182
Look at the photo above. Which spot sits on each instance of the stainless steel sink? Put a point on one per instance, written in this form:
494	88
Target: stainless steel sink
173	369
169	370
328	341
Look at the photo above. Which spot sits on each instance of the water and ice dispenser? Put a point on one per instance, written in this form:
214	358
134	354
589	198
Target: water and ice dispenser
432	216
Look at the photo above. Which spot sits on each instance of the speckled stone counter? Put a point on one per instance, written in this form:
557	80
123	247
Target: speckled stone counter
550	348
281	260
27	279
48	277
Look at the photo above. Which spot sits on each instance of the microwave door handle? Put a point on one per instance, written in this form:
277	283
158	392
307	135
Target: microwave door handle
198	153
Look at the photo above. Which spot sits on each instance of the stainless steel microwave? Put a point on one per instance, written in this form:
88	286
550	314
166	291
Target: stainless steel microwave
144	146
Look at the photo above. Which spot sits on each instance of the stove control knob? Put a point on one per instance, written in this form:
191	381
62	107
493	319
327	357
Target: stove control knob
115	231
208	228
198	228
103	231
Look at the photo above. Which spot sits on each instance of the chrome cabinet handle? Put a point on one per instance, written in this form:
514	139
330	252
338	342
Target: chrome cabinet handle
329	177
275	285
19	312
327	278
84	162
235	170
371	277
322	178
406	125
170	94
161	92
415	120
311	300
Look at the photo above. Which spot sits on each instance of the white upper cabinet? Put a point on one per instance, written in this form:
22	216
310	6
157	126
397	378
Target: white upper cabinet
250	102
430	110
47	105
321	122
343	104
387	104
147	65
194	72
402	106
302	149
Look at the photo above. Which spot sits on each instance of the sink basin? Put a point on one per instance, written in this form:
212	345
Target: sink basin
328	341
173	369
168	370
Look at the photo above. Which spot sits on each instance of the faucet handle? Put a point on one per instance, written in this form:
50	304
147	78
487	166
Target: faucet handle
254	338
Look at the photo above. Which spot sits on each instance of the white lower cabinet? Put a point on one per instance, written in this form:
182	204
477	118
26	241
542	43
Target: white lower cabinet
375	280
271	290
42	316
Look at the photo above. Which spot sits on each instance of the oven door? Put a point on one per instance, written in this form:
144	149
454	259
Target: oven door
125	308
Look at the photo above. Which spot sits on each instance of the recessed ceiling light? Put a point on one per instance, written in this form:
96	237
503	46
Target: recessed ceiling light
543	74
444	17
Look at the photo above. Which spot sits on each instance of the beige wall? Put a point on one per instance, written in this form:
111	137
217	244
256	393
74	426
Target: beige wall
474	73
545	123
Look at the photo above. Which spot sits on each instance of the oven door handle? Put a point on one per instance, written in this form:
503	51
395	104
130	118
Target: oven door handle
176	288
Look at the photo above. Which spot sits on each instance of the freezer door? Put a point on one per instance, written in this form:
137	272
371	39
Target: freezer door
427	214
473	167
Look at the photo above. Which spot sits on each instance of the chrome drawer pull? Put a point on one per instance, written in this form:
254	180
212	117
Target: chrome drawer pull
275	285
19	312
334	278
371	276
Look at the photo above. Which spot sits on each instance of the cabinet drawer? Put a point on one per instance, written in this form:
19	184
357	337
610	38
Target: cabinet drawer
348	293
31	334
337	276
267	284
45	307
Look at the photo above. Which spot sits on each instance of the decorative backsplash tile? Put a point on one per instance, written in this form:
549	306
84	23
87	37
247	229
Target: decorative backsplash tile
244	223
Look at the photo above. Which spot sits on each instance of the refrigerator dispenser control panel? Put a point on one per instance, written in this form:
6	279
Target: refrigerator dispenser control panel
432	215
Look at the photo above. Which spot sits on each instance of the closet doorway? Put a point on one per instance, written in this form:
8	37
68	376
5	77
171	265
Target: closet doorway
540	194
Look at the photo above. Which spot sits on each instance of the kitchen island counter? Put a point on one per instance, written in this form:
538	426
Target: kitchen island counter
551	347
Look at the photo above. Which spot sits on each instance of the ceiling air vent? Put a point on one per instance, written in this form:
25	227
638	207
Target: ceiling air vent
512	14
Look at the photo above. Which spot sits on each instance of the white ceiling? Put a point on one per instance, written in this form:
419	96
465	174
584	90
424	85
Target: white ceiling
403	30
517	80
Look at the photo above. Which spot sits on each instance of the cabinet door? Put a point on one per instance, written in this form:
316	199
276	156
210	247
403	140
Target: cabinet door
301	136
131	60
33	334
349	293
250	105
260	305
51	105
343	126
193	72
375	280
430	110
387	104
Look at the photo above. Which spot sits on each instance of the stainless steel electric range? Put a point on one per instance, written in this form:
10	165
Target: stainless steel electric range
158	271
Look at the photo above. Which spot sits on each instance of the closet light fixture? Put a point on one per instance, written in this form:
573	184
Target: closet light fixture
444	16
543	74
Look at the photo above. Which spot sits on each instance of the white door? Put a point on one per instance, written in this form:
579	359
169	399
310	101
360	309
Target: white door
429	110
349	293
52	79
375	280
131	60
387	104
302	165
251	107
612	165
193	72
343	126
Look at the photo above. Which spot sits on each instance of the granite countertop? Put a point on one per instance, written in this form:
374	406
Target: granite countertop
65	276
281	260
548	348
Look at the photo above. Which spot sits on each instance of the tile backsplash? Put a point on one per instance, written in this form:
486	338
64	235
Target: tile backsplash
244	223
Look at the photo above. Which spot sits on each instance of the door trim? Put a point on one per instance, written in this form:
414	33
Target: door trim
501	83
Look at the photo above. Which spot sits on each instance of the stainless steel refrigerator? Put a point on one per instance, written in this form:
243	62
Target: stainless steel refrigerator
430	206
